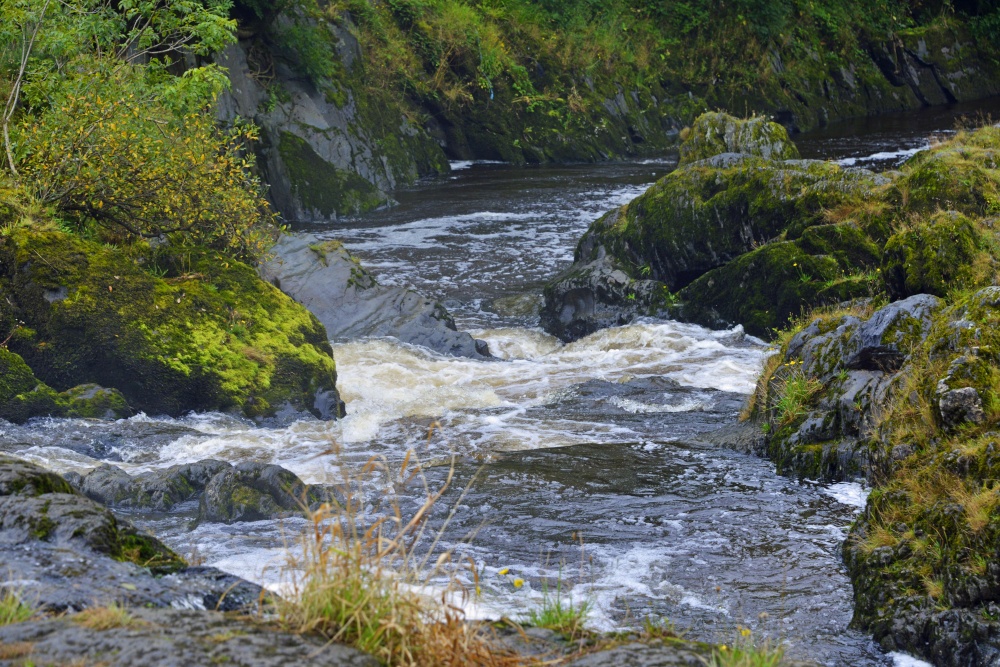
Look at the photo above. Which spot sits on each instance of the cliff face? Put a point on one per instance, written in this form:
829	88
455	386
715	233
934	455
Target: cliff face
355	103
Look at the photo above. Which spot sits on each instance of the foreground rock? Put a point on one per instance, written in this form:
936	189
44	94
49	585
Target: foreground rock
169	637
65	552
327	280
905	395
171	333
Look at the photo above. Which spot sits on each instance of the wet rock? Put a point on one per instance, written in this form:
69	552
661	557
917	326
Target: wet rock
330	283
254	492
66	552
168	638
156	490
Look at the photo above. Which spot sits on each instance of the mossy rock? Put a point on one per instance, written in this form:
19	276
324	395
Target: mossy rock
23	396
936	255
961	175
715	132
212	337
321	187
764	288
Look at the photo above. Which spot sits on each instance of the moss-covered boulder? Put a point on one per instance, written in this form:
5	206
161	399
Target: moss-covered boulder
936	255
23	396
172	331
764	288
715	132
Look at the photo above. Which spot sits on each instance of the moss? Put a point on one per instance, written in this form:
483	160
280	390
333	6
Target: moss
168	344
322	187
145	550
934	256
715	133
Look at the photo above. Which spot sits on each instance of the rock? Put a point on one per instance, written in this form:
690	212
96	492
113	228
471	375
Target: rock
330	283
641	655
714	133
171	638
23	396
882	342
254	492
598	294
959	406
208	335
67	552
709	233
159	490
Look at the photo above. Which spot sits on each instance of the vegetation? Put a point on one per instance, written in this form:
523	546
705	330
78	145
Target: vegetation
365	581
103	137
106	618
560	613
12	608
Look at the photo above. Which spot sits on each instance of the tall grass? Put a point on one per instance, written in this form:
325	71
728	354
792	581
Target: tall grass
366	580
12	608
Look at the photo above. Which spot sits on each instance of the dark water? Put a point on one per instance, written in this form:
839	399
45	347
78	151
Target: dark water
581	462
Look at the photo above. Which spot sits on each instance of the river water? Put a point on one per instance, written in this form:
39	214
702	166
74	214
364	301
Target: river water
579	463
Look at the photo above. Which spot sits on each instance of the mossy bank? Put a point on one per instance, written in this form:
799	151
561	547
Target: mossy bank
166	329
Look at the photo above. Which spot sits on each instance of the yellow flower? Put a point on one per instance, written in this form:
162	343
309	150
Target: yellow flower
795	263
518	583
723	648
745	632
504	571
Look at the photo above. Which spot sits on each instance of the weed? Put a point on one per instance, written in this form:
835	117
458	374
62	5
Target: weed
12	608
744	652
361	580
559	613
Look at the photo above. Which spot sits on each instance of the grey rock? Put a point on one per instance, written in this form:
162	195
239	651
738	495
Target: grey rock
172	638
253	492
65	552
880	342
330	283
158	490
959	406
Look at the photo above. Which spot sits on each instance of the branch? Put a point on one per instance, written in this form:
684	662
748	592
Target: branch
15	93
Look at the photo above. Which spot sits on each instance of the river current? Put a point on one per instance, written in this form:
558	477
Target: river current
580	463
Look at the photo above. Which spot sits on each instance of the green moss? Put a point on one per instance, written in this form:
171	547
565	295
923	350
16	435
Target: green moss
322	187
133	547
715	133
934	256
214	336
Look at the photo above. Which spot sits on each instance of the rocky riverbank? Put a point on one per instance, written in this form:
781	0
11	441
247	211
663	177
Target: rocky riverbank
880	290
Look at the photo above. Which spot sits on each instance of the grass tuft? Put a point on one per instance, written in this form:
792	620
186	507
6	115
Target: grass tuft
107	618
12	608
559	613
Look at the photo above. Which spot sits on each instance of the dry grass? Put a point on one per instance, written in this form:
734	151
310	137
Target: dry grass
107	618
16	650
360	580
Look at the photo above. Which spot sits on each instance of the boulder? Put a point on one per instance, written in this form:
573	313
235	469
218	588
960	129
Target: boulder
171	332
715	132
331	284
254	492
23	396
70	552
159	490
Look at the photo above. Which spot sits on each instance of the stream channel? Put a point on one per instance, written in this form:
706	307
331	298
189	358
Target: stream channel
580	463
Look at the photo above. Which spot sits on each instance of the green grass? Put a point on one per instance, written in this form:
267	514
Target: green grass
12	608
795	393
559	613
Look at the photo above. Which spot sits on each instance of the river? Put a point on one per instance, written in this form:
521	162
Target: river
578	462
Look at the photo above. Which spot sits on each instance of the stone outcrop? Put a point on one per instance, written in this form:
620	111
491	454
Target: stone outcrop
330	283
